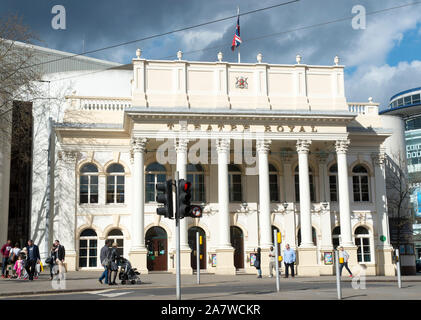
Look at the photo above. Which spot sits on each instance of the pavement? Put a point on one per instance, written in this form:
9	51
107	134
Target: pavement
239	286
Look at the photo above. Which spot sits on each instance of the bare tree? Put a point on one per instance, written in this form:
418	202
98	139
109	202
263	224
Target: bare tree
400	187
18	77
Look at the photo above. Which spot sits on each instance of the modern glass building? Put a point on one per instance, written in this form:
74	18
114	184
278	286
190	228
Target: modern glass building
407	104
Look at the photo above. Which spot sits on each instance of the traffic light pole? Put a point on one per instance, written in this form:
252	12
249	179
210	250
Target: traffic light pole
177	238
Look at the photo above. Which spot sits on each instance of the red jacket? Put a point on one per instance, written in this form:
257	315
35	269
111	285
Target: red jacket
5	250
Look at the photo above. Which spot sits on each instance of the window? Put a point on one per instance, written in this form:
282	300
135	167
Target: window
400	102
336	237
407	101
362	240
333	182
297	185
88	244
273	183
115	183
360	184
196	176
88	184
117	236
155	173
234	181
416	98
313	235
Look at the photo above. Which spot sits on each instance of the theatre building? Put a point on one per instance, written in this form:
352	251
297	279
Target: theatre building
265	147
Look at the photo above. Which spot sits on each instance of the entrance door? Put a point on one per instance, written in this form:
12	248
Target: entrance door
156	243
202	247
237	242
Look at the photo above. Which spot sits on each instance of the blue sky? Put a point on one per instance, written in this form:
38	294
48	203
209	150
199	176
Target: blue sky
381	60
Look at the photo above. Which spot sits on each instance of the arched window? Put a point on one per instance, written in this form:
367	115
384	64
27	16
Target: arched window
117	236
115	183
88	184
88	245
360	185
273	183
297	185
362	241
333	182
234	181
336	237
196	176
313	234
155	173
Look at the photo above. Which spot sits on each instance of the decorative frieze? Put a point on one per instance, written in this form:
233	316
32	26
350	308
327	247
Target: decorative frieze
69	157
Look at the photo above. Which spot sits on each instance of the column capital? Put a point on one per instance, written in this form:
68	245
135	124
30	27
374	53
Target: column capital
139	144
342	146
378	158
303	146
181	145
223	145
68	157
263	145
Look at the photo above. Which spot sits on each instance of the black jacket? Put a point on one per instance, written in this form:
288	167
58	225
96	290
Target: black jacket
113	256
61	253
36	252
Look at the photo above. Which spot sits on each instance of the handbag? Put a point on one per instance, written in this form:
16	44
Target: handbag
49	260
257	264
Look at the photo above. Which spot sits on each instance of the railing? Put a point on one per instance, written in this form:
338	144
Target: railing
363	108
110	104
357	108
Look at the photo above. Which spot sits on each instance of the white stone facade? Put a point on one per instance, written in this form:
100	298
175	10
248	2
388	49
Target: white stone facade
288	114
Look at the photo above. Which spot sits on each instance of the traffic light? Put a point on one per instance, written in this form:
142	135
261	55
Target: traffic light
165	197
184	197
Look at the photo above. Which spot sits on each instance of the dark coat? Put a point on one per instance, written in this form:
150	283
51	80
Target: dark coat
36	252
61	253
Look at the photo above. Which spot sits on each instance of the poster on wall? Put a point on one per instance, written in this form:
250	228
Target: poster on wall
214	260
252	259
328	258
418	211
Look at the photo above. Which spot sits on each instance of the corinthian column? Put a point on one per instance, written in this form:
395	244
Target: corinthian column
138	251
344	207
303	147
224	252
263	147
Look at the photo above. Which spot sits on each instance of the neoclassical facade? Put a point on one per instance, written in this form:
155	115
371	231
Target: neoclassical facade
266	147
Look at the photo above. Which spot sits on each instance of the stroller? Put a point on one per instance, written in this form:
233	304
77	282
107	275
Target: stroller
127	273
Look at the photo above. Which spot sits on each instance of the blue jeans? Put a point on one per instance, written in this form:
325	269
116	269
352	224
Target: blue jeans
104	275
4	266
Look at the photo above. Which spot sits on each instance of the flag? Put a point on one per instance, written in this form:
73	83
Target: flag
236	41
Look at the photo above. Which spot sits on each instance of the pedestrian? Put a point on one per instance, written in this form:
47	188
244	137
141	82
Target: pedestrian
272	261
13	257
104	262
289	260
32	259
18	267
5	251
60	256
51	260
257	263
113	258
343	261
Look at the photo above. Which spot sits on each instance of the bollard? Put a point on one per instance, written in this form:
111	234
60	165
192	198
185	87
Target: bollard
338	277
398	269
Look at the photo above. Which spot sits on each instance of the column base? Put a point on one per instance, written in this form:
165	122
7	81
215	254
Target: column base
264	263
185	262
71	260
307	262
138	259
225	261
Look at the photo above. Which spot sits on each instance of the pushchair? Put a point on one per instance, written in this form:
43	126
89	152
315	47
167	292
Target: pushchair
127	273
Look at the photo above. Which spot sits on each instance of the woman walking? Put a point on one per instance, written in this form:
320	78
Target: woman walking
51	260
113	259
257	263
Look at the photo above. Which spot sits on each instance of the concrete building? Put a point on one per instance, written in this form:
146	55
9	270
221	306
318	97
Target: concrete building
265	146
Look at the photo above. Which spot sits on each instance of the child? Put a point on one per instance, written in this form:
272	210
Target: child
19	267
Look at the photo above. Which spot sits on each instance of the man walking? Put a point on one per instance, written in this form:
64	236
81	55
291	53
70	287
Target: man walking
343	261
103	258
60	254
33	258
5	251
289	260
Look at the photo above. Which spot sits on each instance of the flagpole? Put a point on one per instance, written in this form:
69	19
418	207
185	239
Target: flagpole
239	54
